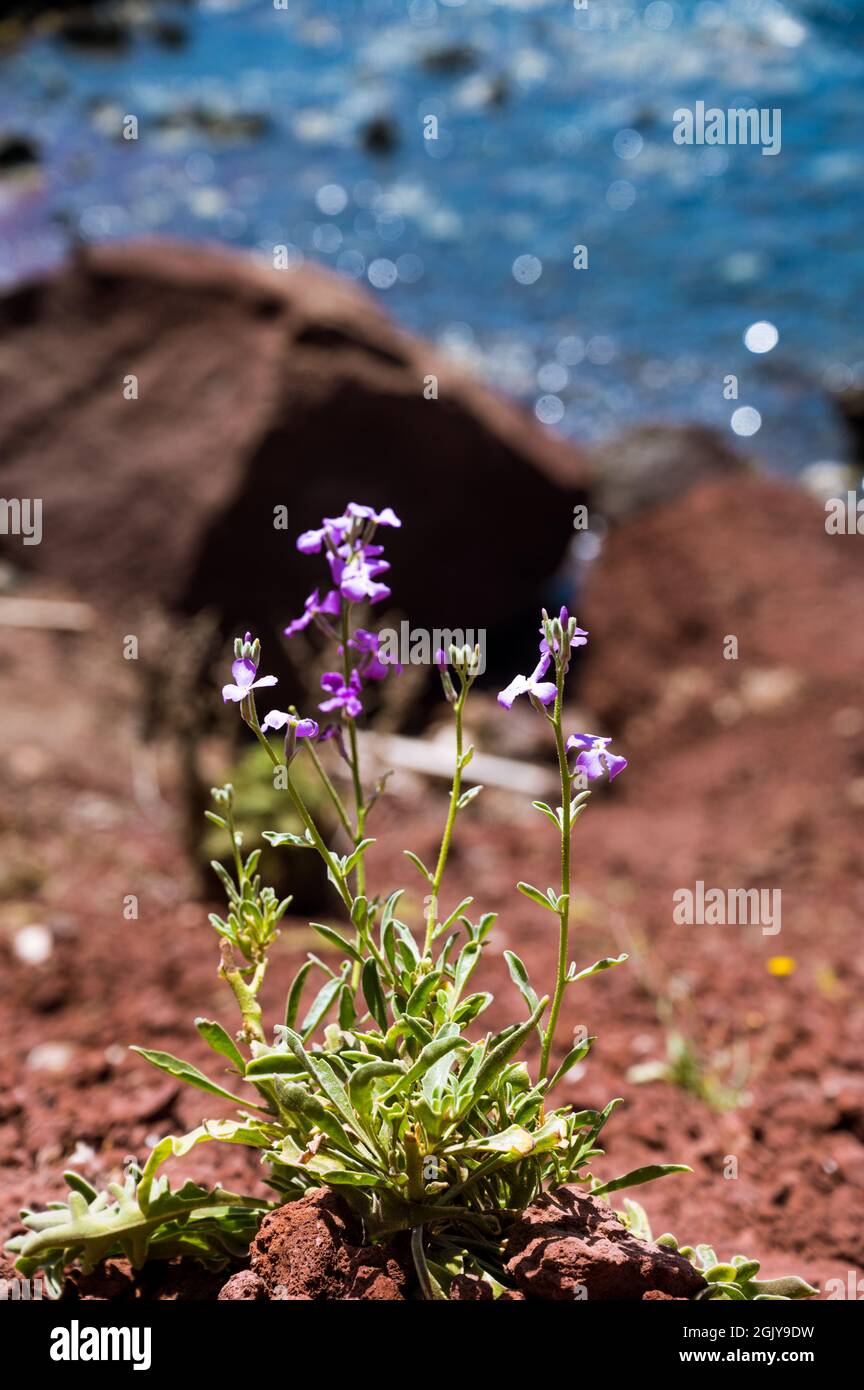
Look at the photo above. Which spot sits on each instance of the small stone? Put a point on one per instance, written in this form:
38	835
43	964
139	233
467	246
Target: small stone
243	1287
34	944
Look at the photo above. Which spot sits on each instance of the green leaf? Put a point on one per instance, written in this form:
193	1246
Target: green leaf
362	1082
216	1037
184	1071
497	1059
344	1177
347	1011
457	911
297	1099
353	859
471	1006
789	1286
605	964
339	942
321	1070
433	1052
179	1145
468	958
376	1003
418	864
573	1056
292	1003
422	993
548	812
513	1140
638	1176
536	896
79	1184
321	1005
268	1064
278	838
519	976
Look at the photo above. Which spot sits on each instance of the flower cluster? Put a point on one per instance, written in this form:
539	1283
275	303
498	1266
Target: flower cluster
355	562
356	565
558	637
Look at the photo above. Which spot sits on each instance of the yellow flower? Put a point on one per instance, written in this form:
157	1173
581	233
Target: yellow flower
782	965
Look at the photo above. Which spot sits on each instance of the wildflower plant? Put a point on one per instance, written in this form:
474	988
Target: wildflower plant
378	1079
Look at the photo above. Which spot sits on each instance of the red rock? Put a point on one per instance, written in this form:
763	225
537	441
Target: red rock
243	1287
569	1245
309	1249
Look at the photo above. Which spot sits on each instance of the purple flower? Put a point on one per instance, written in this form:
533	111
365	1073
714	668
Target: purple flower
370	666
595	758
329	604
387	517
355	572
533	685
244	671
302	728
578	639
332	529
342	697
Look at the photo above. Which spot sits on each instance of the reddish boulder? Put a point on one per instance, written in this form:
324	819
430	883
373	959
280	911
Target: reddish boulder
569	1245
310	1249
164	399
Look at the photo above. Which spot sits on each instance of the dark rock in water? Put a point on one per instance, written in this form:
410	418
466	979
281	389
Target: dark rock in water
850	406
214	124
450	61
164	400
380	135
569	1245
88	28
167	33
18	154
651	463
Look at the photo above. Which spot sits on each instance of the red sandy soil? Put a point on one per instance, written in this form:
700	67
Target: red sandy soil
742	774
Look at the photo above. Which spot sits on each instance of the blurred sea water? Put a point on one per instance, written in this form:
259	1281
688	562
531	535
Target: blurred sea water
554	130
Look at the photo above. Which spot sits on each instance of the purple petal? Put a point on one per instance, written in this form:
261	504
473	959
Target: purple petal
332	681
388	518
541	668
298	624
264	680
310	542
615	764
582	741
306	728
518	686
243	671
330	603
591	764
233	692
545	692
276	719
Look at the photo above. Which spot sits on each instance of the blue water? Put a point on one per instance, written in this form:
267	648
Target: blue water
687	246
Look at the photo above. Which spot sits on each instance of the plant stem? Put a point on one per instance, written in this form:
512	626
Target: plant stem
564	914
251	719
359	803
455	793
330	789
